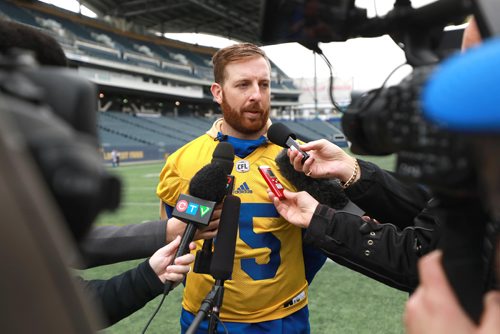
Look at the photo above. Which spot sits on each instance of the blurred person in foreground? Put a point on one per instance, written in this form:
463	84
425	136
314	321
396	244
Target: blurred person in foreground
434	307
103	244
123	294
268	289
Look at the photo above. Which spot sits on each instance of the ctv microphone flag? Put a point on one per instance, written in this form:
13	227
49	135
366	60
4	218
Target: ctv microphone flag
223	156
193	209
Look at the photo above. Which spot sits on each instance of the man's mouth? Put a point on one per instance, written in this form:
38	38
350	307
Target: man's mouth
253	111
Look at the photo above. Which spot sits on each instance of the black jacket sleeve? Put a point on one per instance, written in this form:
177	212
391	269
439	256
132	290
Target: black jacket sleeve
126	293
383	197
380	251
111	244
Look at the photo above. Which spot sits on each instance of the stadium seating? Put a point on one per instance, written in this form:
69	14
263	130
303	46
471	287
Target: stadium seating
16	13
111	46
88	45
117	129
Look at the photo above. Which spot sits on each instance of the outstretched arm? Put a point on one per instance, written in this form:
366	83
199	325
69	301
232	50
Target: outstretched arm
110	244
380	251
128	292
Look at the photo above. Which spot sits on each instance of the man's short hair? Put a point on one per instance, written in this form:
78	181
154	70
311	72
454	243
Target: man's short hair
234	53
46	49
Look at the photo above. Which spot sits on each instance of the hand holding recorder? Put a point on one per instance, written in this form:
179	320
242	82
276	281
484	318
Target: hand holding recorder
296	208
272	181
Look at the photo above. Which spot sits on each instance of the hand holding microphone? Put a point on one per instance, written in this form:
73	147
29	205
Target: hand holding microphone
317	159
327	161
326	191
161	261
280	134
207	187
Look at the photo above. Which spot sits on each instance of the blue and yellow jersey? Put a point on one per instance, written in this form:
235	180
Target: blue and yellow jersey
268	280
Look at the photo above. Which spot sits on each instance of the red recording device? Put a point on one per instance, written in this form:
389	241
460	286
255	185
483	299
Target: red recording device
272	181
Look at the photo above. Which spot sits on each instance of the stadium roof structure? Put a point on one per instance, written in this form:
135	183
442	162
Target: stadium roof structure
234	19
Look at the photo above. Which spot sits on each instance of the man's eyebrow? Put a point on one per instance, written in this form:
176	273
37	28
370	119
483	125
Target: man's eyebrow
242	80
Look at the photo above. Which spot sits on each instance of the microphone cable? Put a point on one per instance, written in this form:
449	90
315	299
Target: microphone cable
220	322
330	68
166	290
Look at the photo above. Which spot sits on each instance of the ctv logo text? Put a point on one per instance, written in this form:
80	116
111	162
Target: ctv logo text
191	208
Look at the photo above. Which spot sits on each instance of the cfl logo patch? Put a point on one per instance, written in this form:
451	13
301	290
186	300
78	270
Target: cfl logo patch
242	166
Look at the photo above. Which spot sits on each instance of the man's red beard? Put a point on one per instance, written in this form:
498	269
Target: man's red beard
238	121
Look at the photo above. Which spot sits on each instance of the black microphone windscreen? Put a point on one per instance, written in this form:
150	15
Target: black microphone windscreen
278	134
225	242
325	191
224	156
209	183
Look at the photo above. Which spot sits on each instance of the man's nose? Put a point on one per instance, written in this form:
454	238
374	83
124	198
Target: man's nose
255	93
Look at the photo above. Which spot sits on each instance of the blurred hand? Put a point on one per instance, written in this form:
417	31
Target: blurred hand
471	36
296	208
161	259
434	308
326	160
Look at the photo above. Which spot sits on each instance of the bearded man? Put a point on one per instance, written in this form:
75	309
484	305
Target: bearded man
268	289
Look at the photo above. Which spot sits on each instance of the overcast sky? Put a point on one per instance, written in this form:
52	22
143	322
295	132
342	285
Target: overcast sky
367	61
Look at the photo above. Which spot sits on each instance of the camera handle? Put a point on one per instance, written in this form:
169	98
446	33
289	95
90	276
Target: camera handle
463	222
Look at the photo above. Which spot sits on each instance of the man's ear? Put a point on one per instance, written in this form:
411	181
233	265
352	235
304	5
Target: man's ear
216	90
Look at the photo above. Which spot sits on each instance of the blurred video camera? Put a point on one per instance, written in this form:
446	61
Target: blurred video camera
390	119
53	111
455	154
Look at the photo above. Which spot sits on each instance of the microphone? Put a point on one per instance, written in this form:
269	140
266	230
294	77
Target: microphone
206	189
280	134
323	190
221	267
222	264
464	83
223	157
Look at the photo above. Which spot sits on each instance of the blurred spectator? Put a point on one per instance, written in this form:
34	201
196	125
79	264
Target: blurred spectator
115	158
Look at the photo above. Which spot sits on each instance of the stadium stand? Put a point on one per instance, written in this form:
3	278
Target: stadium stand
154	93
